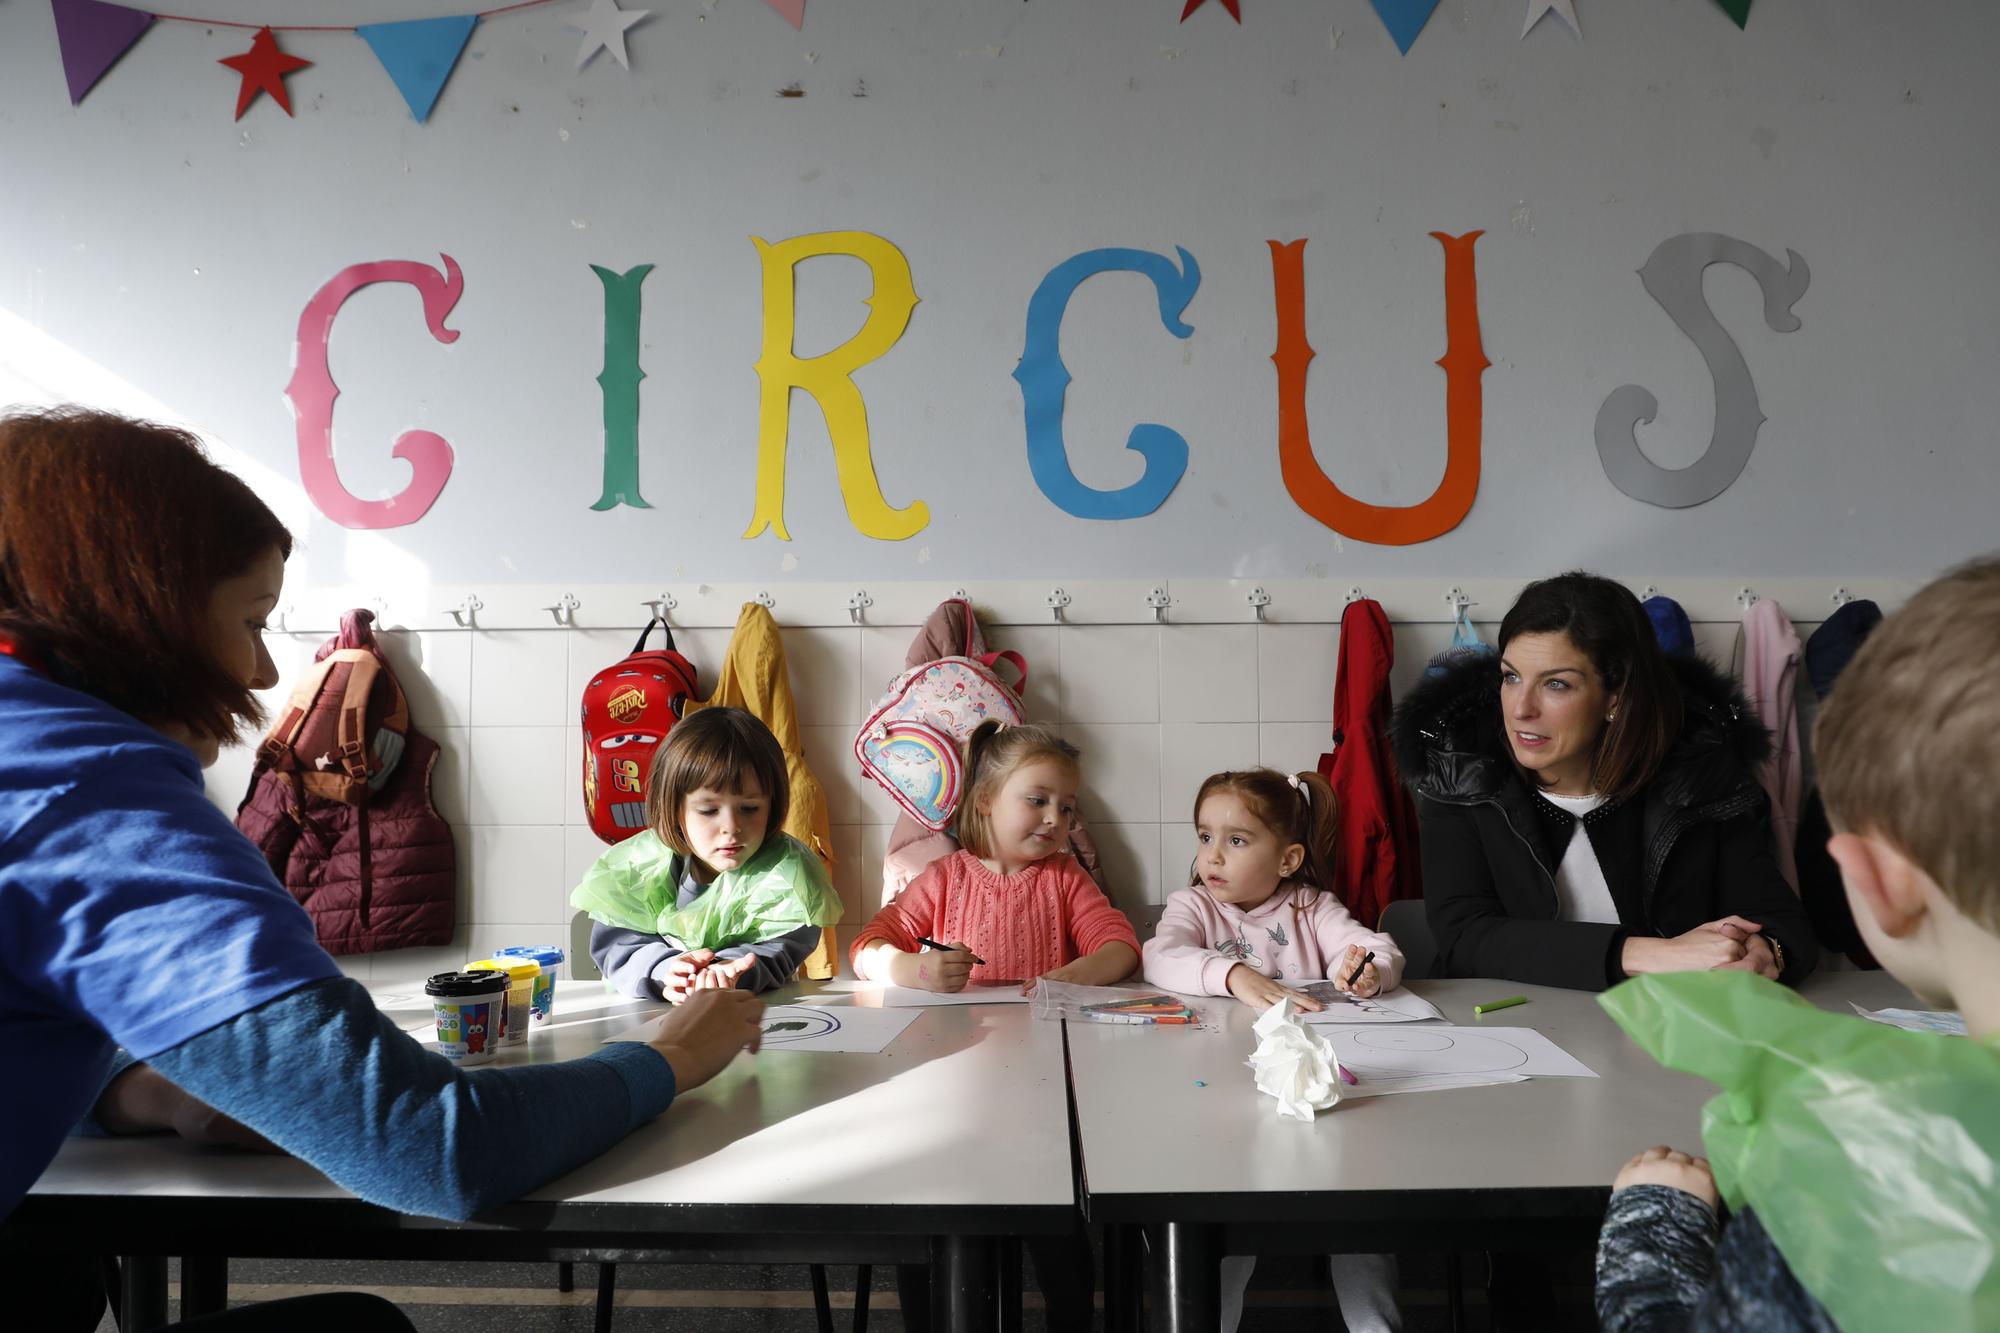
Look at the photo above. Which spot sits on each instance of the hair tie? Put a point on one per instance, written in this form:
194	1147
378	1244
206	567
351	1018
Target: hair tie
1305	792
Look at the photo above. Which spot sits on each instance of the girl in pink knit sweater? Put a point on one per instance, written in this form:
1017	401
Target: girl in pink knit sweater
1013	903
1257	919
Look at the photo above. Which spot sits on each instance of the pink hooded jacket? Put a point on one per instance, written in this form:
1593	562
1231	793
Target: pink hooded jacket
1296	935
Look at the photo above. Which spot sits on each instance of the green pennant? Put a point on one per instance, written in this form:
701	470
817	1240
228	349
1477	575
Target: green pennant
1736	9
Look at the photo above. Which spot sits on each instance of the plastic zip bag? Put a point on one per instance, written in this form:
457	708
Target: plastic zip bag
1124	1005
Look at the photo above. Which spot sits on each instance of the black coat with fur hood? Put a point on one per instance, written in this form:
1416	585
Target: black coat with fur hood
1692	846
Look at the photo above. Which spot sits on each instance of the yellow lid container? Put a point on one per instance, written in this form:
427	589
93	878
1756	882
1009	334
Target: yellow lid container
520	974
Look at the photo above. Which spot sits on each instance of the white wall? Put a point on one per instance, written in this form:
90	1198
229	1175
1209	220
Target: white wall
172	249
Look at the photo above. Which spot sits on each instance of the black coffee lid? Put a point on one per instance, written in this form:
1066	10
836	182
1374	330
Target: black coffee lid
466	983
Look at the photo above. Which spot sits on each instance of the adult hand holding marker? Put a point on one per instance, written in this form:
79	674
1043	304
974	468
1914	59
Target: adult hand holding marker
945	969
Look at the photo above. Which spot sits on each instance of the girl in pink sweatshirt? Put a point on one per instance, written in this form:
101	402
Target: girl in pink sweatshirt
1012	904
1256	920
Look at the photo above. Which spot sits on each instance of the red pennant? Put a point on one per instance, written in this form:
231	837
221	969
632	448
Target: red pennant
263	68
1232	6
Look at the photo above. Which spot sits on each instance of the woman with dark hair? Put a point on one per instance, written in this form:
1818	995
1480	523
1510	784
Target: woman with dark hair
1590	807
135	577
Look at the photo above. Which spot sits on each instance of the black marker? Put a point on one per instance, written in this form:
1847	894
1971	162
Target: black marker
1361	967
946	948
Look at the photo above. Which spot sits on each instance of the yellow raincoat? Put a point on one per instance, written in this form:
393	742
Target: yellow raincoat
754	678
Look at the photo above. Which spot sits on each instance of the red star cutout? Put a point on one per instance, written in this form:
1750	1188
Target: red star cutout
1230	5
263	68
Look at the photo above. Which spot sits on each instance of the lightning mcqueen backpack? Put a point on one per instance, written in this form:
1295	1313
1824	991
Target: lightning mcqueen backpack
628	709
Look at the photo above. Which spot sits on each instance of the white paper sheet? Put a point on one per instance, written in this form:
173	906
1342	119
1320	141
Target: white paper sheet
1396	1006
1947	1021
1414	1059
800	1027
896	997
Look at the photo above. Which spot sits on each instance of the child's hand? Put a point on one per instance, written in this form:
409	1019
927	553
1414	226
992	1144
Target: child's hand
1365	985
683	969
1667	1166
936	970
723	976
1261	992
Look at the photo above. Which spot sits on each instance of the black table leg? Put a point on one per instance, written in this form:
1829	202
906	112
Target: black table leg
204	1286
965	1283
142	1298
566	1276
1010	1285
1124	1272
1185	1277
864	1282
607	1286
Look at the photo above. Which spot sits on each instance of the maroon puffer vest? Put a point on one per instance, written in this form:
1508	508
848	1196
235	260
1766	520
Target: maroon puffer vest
374	866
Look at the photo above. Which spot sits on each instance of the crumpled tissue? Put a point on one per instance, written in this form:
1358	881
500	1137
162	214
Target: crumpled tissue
1294	1064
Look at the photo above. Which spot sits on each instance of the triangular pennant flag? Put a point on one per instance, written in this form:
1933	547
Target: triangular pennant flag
794	11
1230	5
1736	9
92	35
1404	19
1562	9
420	55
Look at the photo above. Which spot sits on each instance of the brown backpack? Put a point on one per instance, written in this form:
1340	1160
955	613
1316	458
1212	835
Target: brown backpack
340	804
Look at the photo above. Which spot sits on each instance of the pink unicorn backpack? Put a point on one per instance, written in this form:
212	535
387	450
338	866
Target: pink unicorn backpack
911	743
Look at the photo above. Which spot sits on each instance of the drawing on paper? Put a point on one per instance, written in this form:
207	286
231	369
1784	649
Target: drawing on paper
795	1025
1417	1052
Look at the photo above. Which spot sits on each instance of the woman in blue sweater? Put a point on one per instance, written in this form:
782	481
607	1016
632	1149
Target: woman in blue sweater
135	579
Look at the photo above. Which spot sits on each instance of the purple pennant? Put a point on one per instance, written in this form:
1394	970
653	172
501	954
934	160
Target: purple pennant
1404	19
92	35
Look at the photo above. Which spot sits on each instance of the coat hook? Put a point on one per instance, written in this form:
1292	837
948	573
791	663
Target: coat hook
1746	598
1355	594
961	594
466	613
858	603
1259	599
1648	593
280	615
1841	597
1458	601
765	600
1057	600
564	610
380	606
659	606
1159	601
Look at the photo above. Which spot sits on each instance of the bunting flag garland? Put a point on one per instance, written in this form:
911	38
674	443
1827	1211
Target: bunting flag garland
1233	6
263	68
1736	9
1404	19
793	11
91	36
603	27
1562	9
419	55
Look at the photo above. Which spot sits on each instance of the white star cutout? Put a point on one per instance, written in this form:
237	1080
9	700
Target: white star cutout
603	27
1563	9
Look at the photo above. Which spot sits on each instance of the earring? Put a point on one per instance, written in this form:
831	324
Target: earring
1610	716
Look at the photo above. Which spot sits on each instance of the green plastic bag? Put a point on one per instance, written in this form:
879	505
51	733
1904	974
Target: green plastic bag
783	887
1871	1154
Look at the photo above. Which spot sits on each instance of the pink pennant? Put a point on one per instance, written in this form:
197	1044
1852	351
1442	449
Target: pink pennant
793	11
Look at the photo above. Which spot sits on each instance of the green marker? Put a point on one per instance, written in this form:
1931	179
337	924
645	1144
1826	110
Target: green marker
1507	1003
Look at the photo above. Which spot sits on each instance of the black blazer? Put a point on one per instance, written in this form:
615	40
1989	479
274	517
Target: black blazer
1693	845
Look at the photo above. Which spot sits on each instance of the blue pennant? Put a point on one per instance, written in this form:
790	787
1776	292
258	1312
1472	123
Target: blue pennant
1404	19
420	55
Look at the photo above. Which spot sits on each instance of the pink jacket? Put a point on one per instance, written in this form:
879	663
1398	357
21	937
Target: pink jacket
1298	934
1022	924
1768	665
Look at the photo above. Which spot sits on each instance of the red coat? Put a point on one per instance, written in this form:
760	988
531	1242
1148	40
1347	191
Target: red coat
1378	860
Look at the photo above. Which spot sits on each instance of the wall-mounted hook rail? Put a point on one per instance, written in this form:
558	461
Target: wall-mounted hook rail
1159	601
858	603
1258	599
564	610
466	614
1057	600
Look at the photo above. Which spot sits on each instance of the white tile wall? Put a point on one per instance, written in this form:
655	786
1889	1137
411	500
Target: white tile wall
1154	709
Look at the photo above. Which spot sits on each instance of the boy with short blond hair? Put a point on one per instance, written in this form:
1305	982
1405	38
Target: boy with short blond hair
1908	747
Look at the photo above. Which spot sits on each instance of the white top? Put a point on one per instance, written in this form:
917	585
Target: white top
1581	893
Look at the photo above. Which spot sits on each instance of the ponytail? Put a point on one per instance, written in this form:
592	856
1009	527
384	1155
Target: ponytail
1320	824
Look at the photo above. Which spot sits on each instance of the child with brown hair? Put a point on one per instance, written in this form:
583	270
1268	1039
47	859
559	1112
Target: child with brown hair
1012	902
1258	918
1895	1130
710	896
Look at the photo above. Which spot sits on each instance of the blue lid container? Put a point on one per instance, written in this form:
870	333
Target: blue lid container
548	955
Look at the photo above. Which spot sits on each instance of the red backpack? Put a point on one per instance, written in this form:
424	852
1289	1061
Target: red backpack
628	709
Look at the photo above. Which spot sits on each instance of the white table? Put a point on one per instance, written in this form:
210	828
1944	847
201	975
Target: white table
1209	1171
954	1137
